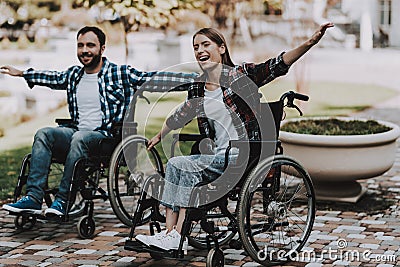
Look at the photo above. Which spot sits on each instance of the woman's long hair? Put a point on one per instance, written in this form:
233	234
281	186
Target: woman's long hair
219	39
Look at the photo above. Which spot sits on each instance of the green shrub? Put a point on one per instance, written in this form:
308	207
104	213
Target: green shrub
334	127
10	164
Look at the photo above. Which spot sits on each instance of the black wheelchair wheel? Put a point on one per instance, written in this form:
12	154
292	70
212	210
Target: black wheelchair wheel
131	164
25	222
227	226
276	210
86	227
215	258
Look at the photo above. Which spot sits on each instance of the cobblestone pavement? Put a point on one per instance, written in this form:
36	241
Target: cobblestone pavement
371	226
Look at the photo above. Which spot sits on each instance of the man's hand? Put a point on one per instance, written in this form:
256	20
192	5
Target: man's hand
11	71
320	32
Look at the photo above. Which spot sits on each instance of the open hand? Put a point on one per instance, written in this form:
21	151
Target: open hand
320	32
154	141
11	71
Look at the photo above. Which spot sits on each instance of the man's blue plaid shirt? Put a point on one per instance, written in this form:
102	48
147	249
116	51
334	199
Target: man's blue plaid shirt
117	85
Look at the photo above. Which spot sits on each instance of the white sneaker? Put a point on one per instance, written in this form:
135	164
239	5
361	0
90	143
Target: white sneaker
169	241
147	239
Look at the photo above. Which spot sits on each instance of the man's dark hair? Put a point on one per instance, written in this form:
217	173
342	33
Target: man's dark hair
99	33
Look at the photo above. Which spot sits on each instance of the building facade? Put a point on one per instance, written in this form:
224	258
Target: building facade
374	23
384	16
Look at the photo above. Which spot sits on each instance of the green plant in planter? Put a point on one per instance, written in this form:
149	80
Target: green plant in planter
334	127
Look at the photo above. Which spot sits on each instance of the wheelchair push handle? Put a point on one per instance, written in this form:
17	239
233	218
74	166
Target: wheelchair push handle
301	97
290	96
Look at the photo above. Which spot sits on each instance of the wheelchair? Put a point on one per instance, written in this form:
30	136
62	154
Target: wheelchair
122	191
269	209
85	181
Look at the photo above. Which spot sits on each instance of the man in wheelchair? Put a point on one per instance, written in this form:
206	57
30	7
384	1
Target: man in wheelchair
98	94
222	99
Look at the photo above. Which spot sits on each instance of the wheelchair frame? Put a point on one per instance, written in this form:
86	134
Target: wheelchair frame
276	170
85	181
86	177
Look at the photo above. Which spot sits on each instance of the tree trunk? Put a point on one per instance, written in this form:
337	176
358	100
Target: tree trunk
126	47
127	27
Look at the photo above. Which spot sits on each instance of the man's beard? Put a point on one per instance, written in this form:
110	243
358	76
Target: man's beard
93	63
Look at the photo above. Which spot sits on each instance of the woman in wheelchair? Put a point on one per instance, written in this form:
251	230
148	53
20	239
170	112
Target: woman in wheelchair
222	99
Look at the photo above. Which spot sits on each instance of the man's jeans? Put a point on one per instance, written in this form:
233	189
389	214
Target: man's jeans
62	143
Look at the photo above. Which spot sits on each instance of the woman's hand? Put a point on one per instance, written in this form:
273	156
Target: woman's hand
316	37
11	71
294	54
154	141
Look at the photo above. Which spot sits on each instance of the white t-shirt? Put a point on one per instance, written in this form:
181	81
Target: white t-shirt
220	119
88	99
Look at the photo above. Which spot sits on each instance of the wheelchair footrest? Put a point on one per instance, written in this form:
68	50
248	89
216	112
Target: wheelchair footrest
156	253
55	218
88	194
133	245
24	213
41	216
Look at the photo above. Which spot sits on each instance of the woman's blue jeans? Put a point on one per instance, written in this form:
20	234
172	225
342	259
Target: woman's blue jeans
182	173
62	143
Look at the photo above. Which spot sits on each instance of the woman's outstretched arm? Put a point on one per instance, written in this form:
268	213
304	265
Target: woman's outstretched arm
293	55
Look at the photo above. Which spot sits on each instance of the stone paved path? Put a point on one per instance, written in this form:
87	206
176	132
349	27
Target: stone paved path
375	232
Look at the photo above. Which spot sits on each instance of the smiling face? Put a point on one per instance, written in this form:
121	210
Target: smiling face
207	53
89	51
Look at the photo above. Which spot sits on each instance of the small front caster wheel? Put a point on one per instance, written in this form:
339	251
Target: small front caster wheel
215	258
25	222
86	227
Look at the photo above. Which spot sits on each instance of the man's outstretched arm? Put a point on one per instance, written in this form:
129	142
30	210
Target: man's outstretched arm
51	79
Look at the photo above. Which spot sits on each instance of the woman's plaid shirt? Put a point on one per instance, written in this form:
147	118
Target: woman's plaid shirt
240	94
117	85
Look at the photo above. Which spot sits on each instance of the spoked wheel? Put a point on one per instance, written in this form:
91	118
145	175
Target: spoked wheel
276	211
215	258
25	222
227	226
86	227
131	164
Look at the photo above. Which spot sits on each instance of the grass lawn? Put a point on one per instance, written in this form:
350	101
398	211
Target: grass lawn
10	163
332	99
325	99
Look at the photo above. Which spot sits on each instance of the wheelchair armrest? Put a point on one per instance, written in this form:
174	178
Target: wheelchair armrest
63	121
116	130
105	148
188	137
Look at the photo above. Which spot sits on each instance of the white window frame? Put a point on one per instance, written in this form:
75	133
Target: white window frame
385	19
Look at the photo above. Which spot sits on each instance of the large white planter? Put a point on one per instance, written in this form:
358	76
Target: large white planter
335	163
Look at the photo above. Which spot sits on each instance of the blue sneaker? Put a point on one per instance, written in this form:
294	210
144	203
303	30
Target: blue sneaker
25	204
57	208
